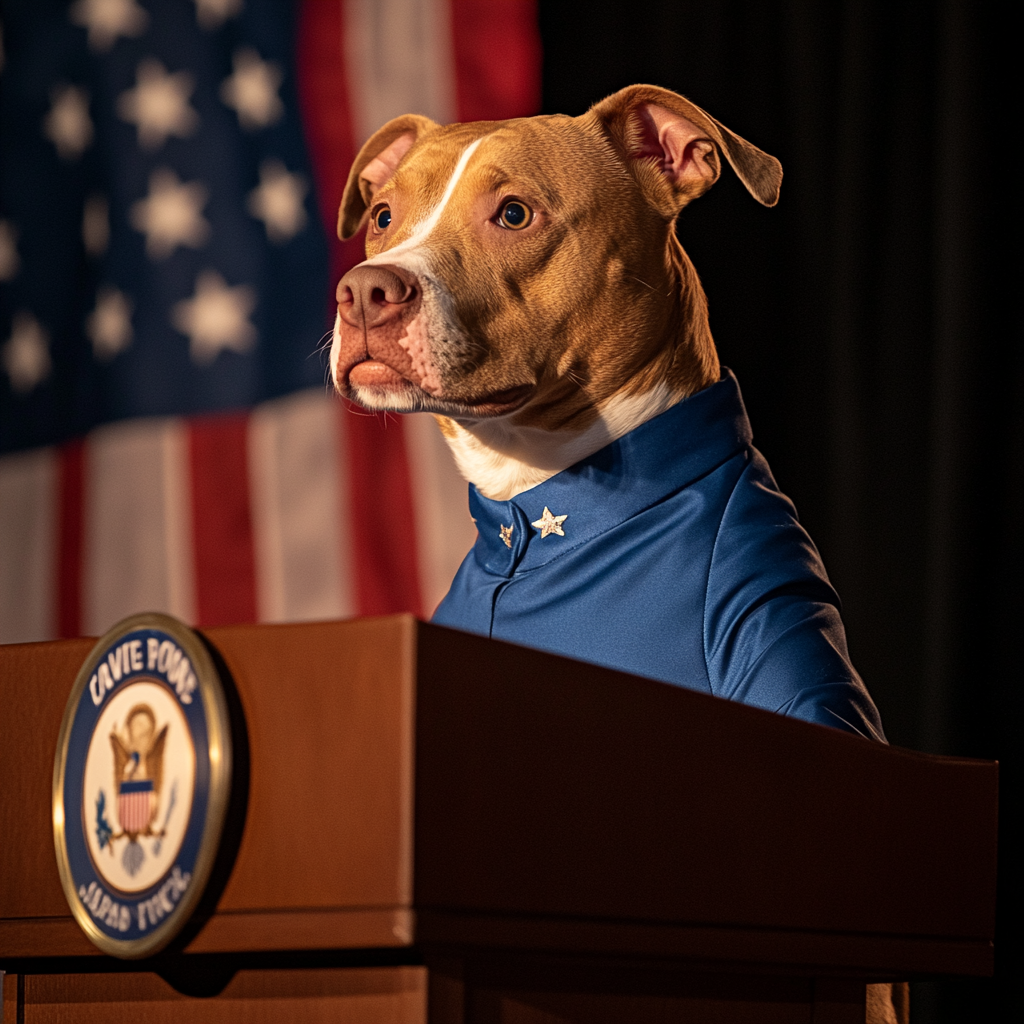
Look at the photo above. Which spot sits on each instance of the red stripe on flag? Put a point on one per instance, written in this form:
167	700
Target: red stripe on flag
327	121
70	537
381	513
222	538
374	460
497	58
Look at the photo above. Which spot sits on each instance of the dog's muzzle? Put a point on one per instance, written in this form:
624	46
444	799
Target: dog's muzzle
375	306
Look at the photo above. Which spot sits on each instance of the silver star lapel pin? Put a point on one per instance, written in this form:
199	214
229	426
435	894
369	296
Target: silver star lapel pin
548	524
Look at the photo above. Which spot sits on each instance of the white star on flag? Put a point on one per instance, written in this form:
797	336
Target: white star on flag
252	90
26	354
213	13
68	125
277	201
171	215
106	20
158	104
10	261
109	326
216	318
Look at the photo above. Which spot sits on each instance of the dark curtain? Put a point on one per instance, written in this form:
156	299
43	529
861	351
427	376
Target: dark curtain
873	321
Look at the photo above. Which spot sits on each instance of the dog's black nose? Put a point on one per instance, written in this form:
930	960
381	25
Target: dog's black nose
372	295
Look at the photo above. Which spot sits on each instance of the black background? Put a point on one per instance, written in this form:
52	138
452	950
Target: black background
873	320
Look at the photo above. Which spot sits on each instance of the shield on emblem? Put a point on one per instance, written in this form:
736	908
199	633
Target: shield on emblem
135	805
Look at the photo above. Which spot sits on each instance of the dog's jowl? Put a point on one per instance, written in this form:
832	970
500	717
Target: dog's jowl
524	283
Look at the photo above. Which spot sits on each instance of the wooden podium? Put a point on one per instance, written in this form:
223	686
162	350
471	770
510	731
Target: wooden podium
444	828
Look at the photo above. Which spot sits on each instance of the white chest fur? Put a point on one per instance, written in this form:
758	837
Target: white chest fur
503	460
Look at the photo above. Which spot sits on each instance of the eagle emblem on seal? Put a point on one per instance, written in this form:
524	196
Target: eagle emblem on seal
138	751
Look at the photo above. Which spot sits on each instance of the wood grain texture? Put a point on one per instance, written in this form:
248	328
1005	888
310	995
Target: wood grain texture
328	709
368	995
35	680
250	931
557	806
548	787
10	998
874	957
44	936
534	989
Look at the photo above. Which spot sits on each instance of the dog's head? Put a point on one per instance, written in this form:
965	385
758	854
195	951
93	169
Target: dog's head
528	269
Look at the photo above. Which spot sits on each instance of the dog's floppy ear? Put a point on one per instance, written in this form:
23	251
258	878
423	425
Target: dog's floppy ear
672	147
377	162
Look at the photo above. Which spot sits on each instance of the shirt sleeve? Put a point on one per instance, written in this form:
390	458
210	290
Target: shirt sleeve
773	636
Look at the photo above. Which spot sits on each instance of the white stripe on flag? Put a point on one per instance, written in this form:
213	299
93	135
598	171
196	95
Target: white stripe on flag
138	523
399	60
444	528
301	532
28	541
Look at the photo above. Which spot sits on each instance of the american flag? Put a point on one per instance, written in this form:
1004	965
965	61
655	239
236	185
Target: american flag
170	172
135	805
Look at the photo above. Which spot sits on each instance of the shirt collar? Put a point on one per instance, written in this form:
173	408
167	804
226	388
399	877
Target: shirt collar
635	472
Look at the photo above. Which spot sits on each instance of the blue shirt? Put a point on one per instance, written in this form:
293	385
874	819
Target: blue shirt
681	560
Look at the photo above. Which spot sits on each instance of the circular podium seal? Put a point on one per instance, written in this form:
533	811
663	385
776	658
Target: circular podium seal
141	784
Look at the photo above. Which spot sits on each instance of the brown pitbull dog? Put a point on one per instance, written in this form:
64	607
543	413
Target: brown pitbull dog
524	283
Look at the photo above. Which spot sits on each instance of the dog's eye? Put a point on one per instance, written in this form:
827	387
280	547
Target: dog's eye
515	215
383	218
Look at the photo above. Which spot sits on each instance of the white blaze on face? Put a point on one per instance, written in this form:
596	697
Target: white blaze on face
422	230
411	254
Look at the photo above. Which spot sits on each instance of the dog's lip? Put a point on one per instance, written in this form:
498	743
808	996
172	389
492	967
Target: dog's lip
495	403
375	373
